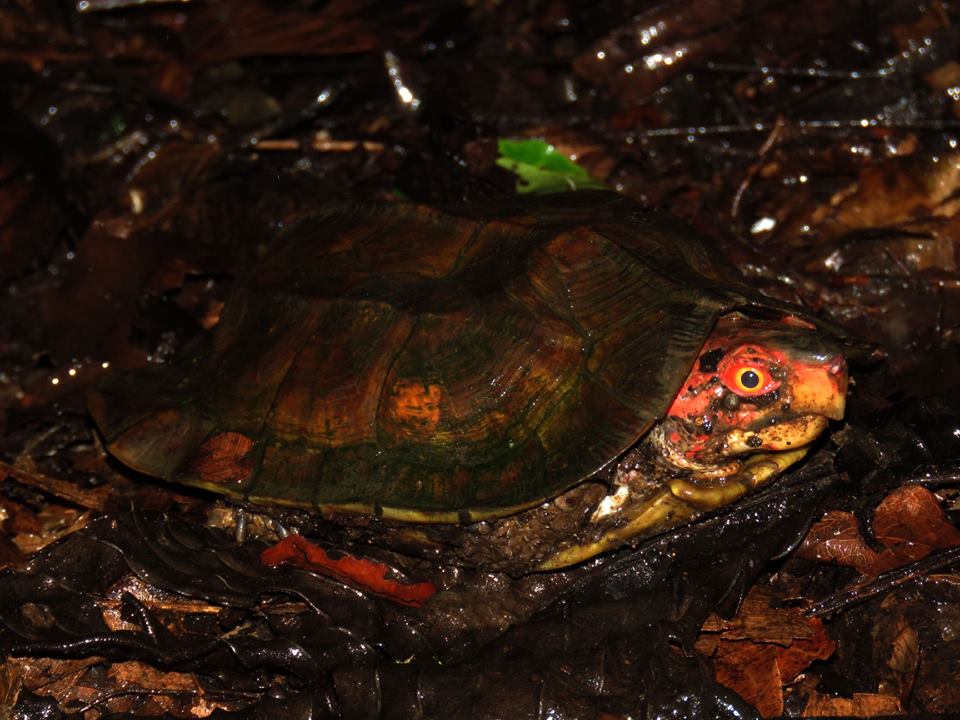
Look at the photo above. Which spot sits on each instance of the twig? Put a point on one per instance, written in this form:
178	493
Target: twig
63	489
883	583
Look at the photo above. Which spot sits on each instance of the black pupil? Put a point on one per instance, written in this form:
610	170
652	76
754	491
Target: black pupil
749	379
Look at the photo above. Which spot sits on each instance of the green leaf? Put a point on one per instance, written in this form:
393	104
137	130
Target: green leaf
542	169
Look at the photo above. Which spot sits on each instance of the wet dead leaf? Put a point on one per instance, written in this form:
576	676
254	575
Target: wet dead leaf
56	522
10	554
92	499
29	216
911	523
908	521
753	673
251	28
860	705
55	678
908	250
760	620
120	687
137	674
157	601
9	684
837	539
911	515
893	191
945	78
905	659
763	649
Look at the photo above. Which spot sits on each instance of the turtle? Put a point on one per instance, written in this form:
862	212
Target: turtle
519	386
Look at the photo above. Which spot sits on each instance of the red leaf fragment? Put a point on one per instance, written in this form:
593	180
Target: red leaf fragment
367	574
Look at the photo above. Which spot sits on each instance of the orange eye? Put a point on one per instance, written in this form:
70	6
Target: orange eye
750	371
750	380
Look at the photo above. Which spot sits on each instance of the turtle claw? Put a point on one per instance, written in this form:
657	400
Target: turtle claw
240	530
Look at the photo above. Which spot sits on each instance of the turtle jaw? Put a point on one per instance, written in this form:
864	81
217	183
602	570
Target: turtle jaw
795	433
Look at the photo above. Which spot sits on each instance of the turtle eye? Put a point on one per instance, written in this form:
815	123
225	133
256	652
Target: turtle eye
750	380
750	372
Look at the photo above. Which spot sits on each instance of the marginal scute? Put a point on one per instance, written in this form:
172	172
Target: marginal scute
224	458
432	363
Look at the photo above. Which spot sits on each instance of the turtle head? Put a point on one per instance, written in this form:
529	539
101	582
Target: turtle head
757	386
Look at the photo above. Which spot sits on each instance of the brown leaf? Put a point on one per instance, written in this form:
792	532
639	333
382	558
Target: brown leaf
10	554
158	601
57	522
121	256
59	679
904	659
908	521
9	684
94	499
758	672
837	539
753	673
137	674
219	33
125	687
912	515
860	705
888	192
801	653
760	620
764	648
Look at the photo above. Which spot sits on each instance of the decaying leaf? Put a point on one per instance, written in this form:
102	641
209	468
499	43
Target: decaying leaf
860	705
836	538
911	516
891	191
909	522
763	649
9	684
119	687
904	660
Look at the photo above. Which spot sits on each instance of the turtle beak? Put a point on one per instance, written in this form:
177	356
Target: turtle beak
820	389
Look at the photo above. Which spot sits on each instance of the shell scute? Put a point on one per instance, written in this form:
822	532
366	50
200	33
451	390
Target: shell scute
492	372
330	393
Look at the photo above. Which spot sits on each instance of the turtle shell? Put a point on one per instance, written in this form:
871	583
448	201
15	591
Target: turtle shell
429	365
